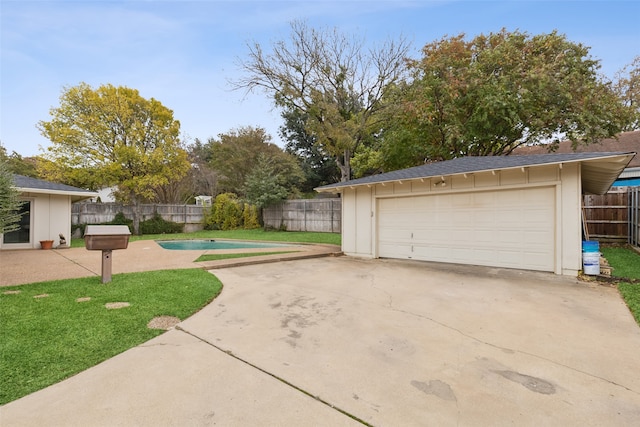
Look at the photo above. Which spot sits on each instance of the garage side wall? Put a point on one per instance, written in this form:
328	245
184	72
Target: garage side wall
52	216
357	225
570	222
360	228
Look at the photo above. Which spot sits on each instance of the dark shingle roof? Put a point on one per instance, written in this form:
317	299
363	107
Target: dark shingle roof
469	165
26	182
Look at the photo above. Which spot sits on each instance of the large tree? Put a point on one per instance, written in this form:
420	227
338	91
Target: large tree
235	155
204	180
627	86
17	164
112	136
495	92
334	80
319	167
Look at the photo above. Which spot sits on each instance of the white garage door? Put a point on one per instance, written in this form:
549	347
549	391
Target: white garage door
507	228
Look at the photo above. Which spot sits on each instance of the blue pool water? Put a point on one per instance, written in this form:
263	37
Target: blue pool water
194	245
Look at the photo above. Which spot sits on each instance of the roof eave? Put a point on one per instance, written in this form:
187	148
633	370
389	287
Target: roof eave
622	158
598	175
76	196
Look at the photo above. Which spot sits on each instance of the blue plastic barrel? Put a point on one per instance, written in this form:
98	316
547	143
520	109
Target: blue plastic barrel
591	257
590	246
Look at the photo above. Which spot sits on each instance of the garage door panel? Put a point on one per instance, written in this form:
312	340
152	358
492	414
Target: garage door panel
397	250
508	228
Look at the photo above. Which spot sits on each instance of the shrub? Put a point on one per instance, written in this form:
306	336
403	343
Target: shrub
226	212
120	219
250	217
159	225
207	220
229	213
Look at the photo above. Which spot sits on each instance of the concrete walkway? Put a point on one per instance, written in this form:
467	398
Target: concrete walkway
342	341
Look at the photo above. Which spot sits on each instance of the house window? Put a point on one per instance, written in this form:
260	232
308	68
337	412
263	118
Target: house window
22	234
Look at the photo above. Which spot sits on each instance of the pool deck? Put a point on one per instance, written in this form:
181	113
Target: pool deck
24	266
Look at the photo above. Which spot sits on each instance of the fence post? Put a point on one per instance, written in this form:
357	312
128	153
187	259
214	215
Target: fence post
634	216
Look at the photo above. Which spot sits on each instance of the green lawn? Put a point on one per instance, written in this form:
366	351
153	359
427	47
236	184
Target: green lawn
48	335
256	234
626	265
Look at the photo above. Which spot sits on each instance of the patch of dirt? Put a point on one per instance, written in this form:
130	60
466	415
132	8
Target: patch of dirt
83	299
41	296
163	322
115	305
11	292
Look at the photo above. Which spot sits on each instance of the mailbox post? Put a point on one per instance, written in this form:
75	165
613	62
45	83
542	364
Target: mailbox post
106	238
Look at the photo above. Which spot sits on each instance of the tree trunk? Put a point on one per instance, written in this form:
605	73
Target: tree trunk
136	215
344	164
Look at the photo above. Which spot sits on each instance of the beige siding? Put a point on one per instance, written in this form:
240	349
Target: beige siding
569	227
51	216
349	229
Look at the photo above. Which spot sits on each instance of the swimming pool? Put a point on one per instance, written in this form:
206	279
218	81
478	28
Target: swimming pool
204	244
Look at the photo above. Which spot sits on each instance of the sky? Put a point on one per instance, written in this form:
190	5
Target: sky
184	53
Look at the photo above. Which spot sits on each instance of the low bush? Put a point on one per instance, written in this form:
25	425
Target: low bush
159	225
230	213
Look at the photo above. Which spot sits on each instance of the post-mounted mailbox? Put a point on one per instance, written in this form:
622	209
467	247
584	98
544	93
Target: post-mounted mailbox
106	238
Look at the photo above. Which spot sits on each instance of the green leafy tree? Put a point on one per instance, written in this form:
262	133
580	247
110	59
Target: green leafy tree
333	80
235	155
113	136
318	167
627	87
25	166
264	186
204	179
493	93
10	202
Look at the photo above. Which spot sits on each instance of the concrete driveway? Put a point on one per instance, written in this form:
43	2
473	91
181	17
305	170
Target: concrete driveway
342	341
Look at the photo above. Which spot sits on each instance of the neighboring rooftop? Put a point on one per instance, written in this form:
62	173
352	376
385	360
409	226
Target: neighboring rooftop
625	142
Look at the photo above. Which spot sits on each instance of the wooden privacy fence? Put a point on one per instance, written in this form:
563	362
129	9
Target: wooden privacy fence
634	216
614	216
99	213
323	215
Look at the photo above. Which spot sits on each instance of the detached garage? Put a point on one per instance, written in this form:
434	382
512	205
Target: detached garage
519	212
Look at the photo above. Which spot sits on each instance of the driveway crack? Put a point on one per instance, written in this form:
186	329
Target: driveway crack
276	377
